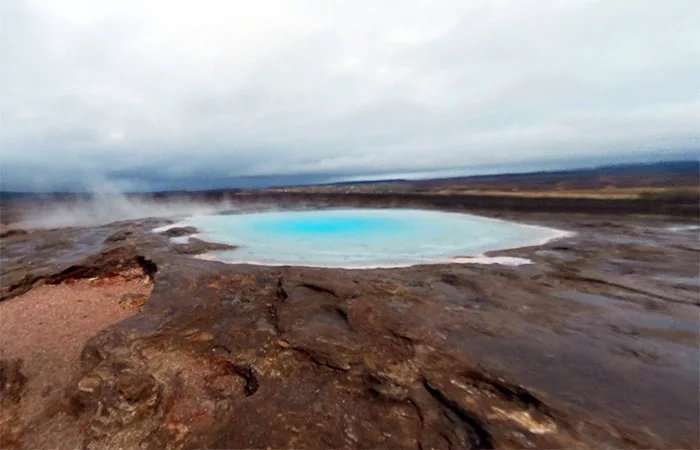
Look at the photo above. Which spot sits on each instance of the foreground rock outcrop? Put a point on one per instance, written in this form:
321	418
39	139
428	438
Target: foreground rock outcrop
595	345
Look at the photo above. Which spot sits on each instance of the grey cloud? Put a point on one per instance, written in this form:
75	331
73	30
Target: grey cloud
169	94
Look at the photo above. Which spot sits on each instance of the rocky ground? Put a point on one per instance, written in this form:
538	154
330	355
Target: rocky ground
594	345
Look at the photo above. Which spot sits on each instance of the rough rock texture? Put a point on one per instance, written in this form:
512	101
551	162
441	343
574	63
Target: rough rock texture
595	345
43	333
195	246
179	231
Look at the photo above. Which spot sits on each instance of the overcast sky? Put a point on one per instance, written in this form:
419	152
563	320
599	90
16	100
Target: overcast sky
186	94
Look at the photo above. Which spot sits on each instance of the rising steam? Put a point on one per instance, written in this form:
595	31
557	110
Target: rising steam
104	204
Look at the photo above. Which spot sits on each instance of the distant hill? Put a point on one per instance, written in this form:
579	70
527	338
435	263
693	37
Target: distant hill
657	175
622	180
671	187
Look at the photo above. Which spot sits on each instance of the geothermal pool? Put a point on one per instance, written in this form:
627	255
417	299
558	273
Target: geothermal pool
355	238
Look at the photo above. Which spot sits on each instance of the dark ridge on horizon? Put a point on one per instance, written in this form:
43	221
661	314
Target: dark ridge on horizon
669	168
682	166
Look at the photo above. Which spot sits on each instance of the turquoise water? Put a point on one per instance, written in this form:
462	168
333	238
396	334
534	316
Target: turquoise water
361	237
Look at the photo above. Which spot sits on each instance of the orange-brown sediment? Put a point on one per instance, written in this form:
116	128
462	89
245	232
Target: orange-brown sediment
47	328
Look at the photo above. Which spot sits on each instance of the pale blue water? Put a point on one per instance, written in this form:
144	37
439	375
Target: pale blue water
361	237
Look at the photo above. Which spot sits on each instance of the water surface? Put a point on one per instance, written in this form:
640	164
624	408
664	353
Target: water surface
361	237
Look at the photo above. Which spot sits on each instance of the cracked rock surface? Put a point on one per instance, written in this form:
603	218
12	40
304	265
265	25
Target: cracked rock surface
594	345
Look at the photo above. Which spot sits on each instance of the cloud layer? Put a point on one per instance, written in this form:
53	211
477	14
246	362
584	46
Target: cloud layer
176	94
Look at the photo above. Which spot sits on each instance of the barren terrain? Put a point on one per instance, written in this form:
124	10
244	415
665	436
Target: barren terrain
114	336
595	344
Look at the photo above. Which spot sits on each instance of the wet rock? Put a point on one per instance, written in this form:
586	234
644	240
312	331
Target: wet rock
12	385
118	405
11	232
133	301
179	231
452	356
119	236
89	384
12	380
196	246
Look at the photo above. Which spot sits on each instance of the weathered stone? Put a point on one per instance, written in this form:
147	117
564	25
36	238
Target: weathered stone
442	356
